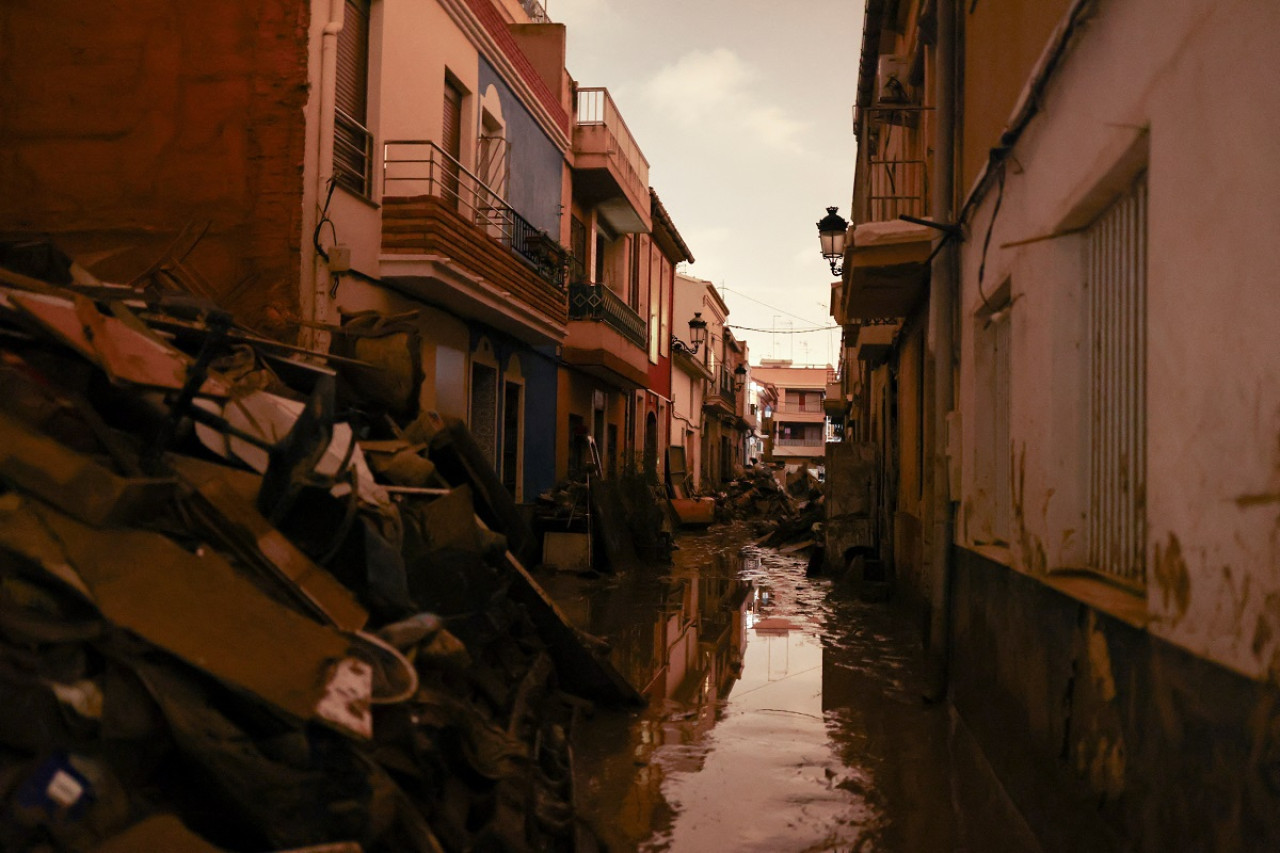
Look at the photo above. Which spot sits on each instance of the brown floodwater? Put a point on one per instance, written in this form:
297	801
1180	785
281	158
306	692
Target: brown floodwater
784	714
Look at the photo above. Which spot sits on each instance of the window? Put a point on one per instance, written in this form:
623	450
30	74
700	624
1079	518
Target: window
601	244
1116	296
482	409
578	248
993	363
352	141
451	138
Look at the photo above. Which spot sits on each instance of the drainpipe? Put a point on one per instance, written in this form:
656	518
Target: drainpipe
943	285
324	158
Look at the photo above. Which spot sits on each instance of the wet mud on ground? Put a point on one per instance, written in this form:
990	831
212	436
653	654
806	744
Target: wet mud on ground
784	714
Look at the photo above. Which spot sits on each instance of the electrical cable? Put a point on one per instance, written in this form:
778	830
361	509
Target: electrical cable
783	331
986	241
767	305
324	218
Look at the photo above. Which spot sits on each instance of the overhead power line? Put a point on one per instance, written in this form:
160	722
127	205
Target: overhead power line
774	307
782	331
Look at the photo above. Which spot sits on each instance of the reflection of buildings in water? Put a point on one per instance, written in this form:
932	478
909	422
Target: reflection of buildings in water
699	640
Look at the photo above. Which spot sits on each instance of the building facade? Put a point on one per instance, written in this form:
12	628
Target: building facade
799	422
414	174
1092	464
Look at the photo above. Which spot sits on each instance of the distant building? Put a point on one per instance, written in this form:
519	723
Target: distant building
798	435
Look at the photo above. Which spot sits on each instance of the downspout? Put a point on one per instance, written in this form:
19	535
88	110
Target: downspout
324	157
943	284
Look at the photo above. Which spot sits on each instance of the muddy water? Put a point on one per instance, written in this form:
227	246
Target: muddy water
783	716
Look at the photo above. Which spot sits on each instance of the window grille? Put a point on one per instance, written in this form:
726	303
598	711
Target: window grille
1117	300
352	141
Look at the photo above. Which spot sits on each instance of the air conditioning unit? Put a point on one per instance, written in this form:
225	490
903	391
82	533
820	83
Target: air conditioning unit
891	81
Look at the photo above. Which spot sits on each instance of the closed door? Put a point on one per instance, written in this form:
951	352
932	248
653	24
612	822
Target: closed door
511	404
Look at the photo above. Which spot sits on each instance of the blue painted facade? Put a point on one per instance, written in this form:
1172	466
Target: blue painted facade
537	165
536	172
538	366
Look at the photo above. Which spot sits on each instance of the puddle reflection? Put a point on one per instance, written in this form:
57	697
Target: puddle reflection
781	717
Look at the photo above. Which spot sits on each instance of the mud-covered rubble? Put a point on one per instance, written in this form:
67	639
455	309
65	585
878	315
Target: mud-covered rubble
252	600
787	517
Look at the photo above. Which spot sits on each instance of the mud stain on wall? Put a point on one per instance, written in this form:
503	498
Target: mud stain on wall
1094	726
1171	577
1031	547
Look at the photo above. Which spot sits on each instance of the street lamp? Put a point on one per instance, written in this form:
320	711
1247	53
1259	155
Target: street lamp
697	334
739	377
832	229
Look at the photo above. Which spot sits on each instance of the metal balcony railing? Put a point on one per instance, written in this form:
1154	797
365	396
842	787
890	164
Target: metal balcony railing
800	442
814	408
598	302
536	11
419	167
897	187
596	107
352	154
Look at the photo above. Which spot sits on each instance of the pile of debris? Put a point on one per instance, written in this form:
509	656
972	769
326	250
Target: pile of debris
251	600
789	518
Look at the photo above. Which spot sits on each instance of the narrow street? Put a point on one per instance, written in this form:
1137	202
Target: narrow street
784	715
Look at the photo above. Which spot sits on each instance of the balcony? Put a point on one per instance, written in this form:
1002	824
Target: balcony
598	302
607	338
800	442
442	225
886	267
815	447
834	404
609	173
896	187
721	398
874	341
536	11
799	408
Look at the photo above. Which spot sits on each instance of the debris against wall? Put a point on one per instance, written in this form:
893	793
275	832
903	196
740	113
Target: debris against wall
244	609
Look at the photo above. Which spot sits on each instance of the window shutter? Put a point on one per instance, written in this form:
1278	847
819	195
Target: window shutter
353	62
451	136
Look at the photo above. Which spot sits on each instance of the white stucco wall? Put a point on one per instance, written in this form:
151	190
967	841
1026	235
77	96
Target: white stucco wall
1198	77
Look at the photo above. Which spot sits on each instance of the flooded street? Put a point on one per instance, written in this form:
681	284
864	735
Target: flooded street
784	715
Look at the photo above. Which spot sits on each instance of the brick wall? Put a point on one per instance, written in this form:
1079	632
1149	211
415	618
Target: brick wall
120	123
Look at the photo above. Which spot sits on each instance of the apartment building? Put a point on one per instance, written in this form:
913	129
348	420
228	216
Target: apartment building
422	166
798	436
443	201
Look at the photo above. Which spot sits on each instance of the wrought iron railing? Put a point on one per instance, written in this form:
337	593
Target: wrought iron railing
419	167
598	302
352	154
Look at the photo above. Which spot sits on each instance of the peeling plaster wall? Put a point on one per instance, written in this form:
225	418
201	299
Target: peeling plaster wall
117	128
1193	97
1106	737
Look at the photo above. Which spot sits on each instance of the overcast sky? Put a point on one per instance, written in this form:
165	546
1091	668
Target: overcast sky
743	109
